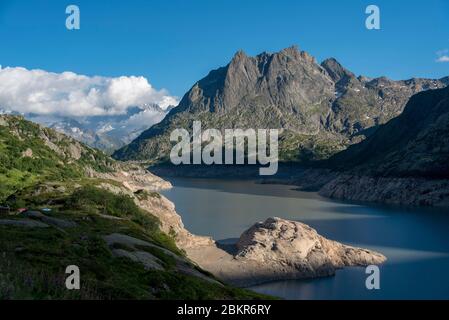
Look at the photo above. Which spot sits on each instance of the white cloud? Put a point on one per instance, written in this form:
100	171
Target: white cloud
144	118
443	55
74	95
444	58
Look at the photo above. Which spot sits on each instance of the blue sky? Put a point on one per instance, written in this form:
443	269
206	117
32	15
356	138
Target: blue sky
176	42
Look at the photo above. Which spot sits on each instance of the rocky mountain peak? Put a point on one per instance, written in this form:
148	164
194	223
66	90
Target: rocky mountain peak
336	71
239	56
292	52
270	78
266	61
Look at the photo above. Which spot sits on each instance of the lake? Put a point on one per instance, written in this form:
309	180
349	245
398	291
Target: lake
415	241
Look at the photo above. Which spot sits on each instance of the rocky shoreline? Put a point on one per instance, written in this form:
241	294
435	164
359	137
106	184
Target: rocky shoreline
349	186
338	185
345	186
385	190
275	249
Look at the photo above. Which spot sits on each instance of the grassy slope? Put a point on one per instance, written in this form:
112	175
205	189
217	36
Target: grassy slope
17	171
155	146
33	260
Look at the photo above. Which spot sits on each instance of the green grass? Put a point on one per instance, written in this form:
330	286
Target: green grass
34	260
46	164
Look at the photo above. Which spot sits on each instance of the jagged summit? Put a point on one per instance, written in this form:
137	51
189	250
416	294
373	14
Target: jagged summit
239	55
269	76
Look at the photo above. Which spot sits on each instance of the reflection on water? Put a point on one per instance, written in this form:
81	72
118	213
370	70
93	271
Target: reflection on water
415	241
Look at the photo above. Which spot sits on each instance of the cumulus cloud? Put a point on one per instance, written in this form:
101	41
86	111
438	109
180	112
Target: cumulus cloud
443	55
74	95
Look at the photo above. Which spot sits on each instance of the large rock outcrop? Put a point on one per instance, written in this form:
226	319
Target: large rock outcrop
279	249
296	245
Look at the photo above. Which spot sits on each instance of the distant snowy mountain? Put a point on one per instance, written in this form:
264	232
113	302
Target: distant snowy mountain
107	133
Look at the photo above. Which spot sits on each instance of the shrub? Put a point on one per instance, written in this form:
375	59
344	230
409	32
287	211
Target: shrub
103	201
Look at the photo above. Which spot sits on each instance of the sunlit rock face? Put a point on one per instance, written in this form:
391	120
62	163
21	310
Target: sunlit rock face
279	249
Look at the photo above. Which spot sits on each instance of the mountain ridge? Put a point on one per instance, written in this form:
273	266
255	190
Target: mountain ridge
319	108
401	149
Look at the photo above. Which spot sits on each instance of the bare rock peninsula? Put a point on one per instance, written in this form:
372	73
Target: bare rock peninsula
279	249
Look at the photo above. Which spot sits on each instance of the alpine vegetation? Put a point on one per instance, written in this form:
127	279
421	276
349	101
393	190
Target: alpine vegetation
207	147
